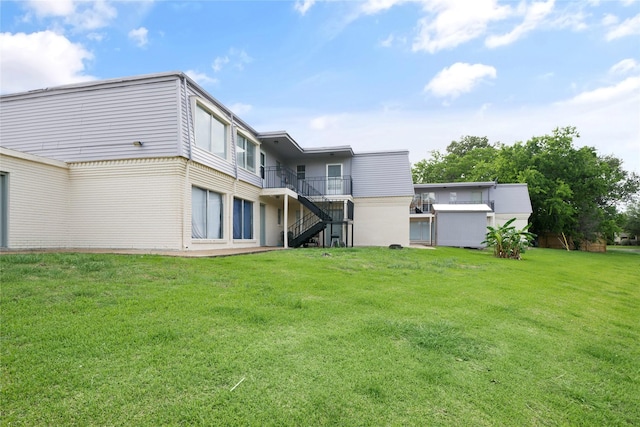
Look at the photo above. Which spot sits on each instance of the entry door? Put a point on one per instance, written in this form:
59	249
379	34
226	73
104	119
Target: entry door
334	179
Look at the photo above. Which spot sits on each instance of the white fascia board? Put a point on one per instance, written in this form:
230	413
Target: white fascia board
462	207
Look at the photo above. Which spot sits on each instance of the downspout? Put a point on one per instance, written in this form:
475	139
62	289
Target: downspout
187	193
234	148
186	106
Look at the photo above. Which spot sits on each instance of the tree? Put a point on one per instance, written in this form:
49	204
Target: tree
632	219
573	190
470	159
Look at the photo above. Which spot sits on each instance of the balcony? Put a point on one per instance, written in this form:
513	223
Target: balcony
281	177
419	208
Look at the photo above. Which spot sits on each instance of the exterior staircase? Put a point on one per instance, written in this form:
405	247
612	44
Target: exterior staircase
321	212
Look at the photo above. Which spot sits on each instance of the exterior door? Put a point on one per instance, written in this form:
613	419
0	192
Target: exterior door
334	179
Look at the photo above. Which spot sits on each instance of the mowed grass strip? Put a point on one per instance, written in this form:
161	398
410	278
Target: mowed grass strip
364	336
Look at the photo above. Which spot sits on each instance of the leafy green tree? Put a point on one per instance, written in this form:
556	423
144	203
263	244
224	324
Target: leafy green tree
470	159
632	219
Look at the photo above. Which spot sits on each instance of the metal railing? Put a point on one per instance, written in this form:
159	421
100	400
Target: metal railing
283	177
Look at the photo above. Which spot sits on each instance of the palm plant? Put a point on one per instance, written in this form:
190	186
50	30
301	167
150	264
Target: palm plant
507	241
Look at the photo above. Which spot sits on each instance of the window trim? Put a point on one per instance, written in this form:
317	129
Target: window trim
242	217
223	202
217	114
250	140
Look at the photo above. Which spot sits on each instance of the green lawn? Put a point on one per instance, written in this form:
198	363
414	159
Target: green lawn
361	337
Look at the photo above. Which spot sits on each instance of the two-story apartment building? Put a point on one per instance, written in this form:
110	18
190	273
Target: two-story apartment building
458	213
156	162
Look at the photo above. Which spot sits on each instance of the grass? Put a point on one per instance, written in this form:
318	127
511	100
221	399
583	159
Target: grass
361	337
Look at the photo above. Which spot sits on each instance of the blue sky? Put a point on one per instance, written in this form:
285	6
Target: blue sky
376	75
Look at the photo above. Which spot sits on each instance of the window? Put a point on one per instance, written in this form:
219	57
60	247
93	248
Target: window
246	153
263	162
206	214
453	197
278	168
211	133
242	219
279	216
476	197
301	170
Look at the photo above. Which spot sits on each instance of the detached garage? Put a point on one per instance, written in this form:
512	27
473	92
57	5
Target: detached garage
461	225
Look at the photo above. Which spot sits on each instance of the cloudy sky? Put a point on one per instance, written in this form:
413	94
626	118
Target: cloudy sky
377	74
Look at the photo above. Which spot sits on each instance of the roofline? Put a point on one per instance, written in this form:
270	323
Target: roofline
96	82
381	152
483	184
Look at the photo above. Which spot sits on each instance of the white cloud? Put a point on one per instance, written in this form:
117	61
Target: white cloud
371	7
303	7
237	58
625	66
219	63
535	14
80	14
450	23
139	36
459	78
628	27
201	78
624	90
44	8
39	60
387	42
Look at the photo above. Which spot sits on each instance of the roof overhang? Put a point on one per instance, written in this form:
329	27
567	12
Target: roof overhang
462	207
484	184
283	144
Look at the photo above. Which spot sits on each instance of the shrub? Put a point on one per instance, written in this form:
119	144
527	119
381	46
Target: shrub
507	242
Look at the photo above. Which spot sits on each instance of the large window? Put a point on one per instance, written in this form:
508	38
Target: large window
206	214
246	153
211	133
242	219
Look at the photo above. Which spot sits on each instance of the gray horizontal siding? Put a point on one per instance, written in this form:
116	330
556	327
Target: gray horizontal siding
463	229
95	123
512	198
381	174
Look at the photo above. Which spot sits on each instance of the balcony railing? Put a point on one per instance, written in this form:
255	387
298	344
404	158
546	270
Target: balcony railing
282	177
417	208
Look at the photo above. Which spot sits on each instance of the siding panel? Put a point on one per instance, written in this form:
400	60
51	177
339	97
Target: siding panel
382	174
38	202
97	124
127	204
